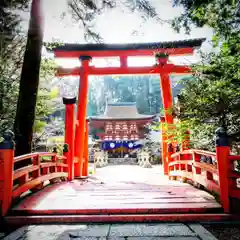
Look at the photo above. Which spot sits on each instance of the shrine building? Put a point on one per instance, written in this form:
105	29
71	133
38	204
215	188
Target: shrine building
120	128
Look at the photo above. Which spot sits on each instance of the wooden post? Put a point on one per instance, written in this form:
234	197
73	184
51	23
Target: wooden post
164	147
222	156
166	91
6	172
169	153
81	116
186	141
167	105
69	134
85	164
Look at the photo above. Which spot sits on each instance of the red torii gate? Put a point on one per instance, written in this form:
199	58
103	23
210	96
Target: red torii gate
77	142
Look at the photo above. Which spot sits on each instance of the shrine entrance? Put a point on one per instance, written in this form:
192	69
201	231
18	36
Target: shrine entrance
76	131
152	196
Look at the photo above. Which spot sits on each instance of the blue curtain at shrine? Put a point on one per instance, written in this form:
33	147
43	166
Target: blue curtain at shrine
110	145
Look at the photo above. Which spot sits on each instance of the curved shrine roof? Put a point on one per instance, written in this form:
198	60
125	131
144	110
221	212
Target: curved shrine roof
121	111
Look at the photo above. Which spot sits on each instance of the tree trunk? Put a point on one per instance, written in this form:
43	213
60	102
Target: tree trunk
25	115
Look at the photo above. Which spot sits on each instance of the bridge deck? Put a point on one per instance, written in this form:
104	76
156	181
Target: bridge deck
119	190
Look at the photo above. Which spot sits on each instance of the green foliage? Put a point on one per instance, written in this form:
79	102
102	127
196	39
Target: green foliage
10	71
221	15
10	65
144	90
9	20
211	98
46	94
12	46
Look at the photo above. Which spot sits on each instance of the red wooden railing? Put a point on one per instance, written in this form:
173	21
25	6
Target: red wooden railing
35	174
234	176
217	174
43	166
188	165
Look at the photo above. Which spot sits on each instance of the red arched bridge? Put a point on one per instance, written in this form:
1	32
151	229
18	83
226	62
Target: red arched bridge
200	191
24	199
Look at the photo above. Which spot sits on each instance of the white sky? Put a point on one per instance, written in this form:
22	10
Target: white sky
116	26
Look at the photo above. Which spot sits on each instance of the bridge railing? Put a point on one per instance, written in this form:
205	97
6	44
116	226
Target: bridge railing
44	166
217	172
198	166
234	176
27	172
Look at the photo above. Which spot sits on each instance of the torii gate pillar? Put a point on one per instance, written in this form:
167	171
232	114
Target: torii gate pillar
167	106
81	116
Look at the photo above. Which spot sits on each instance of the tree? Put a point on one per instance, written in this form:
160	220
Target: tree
12	45
221	15
25	115
211	99
10	63
9	21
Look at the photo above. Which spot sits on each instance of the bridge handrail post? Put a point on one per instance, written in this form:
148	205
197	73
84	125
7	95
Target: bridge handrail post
222	155
170	151
6	171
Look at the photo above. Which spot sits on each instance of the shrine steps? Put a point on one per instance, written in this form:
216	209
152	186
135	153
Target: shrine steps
18	221
20	217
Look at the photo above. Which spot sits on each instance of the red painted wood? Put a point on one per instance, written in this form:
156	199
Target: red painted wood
6	179
48	165
207	167
25	156
85	164
235	193
190	162
234	174
62	165
197	172
69	138
57	219
222	155
165	159
23	171
170	68
196	151
109	53
126	198
81	118
166	96
33	183
34	155
50	170
234	157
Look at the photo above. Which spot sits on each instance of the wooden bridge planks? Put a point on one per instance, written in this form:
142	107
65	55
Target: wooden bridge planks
80	197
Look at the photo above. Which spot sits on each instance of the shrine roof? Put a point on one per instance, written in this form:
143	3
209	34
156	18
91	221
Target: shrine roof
153	46
121	111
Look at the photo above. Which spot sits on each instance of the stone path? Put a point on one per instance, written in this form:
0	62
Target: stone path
169	231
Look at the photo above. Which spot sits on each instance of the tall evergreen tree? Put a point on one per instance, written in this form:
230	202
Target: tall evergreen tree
27	99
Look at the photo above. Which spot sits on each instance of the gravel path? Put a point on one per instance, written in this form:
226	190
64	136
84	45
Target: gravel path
224	231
